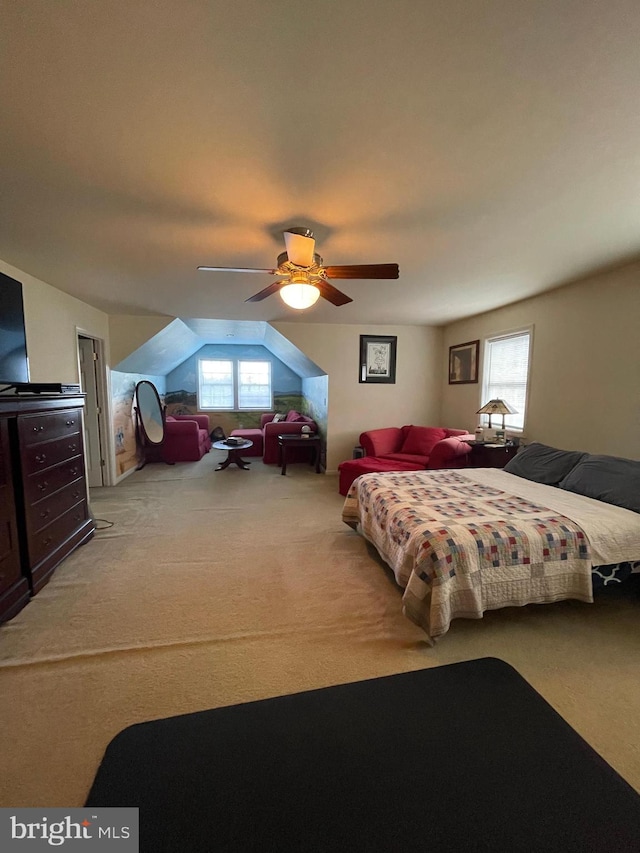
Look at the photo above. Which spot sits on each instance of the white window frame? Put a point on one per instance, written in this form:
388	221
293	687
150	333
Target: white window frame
235	385
487	394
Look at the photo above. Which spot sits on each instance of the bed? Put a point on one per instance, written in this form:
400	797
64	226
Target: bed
461	542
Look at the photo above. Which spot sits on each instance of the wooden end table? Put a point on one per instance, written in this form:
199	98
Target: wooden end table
488	455
312	442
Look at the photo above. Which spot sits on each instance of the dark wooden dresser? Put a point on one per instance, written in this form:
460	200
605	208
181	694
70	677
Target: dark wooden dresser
44	450
14	586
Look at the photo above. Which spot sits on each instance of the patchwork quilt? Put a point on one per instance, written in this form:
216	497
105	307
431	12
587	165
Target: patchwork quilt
459	547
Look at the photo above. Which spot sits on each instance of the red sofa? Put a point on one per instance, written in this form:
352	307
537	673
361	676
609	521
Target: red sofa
291	425
186	438
407	448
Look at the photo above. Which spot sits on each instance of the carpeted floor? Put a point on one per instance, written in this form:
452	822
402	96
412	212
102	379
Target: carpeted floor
213	588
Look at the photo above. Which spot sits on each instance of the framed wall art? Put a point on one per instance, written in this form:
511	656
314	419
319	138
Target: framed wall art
463	363
378	358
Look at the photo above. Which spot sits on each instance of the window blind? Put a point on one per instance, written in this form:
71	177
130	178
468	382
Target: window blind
506	375
254	385
215	384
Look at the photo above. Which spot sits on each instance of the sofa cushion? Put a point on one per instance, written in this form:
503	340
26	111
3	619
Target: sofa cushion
543	464
294	417
421	440
379	442
610	479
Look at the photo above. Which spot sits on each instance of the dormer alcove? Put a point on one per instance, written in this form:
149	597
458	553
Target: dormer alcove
169	358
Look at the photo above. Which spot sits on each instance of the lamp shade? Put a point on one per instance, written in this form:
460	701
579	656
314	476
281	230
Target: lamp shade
299	295
497	407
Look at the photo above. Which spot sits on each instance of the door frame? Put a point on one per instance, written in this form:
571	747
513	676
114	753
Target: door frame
107	448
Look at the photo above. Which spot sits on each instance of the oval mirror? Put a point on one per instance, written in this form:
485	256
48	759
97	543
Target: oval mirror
149	411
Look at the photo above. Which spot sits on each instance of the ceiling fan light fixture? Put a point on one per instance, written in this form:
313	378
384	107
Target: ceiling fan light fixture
304	277
299	295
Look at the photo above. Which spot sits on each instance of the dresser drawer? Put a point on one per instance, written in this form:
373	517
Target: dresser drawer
50	537
47	510
45	483
36	428
37	457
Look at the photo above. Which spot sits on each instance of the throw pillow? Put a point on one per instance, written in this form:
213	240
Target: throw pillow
420	441
610	479
543	464
278	417
294	417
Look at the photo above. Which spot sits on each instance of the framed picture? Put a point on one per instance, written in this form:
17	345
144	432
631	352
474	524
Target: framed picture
378	358
463	363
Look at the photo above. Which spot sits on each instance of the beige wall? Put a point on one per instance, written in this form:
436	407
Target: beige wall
354	406
128	333
51	319
585	369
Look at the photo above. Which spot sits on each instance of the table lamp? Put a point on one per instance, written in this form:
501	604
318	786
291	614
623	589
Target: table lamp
497	407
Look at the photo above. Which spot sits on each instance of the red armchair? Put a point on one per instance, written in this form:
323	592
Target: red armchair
186	438
407	448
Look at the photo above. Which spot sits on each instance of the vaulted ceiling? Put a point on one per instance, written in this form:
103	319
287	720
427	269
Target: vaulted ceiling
182	338
489	148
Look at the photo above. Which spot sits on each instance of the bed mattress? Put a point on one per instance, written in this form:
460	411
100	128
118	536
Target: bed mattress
463	542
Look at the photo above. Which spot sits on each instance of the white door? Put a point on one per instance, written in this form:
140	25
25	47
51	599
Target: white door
87	356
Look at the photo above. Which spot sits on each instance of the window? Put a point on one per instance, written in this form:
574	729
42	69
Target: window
506	375
254	385
232	385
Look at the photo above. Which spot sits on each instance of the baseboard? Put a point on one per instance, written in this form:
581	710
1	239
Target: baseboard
124	476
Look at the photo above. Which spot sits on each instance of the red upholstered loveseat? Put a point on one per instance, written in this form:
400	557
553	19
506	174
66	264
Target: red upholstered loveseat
291	425
186	438
407	448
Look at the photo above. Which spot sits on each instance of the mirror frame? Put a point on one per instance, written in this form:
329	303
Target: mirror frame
140	415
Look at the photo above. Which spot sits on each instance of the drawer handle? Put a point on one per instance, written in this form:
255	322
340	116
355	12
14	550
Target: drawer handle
77	516
41	457
73	470
45	513
75	494
38	428
43	485
72	447
48	540
70	423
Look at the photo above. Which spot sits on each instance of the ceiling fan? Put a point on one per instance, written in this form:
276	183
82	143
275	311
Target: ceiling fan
303	277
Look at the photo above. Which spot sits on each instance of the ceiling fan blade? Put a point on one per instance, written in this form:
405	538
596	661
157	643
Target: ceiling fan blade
274	287
235	269
331	293
299	248
364	271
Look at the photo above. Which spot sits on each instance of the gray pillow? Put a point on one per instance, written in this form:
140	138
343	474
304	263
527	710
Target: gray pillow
610	479
543	464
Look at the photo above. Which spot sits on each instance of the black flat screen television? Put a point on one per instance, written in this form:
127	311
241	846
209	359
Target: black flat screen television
14	364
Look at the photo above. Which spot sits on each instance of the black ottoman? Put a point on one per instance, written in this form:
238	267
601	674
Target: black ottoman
466	757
